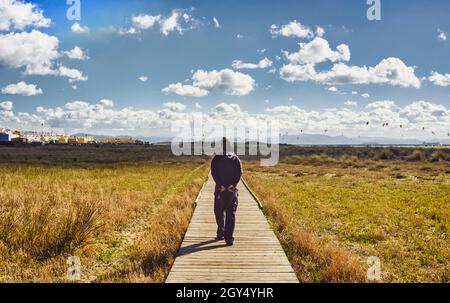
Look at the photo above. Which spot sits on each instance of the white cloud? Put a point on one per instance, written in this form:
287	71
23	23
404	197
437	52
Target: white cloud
175	106
6	105
35	51
423	111
292	29
71	73
390	105
390	71
264	63
99	118
350	121
365	95
185	90
172	23
228	81
143	21
439	79
6	112
283	109
216	22
320	31
197	105
228	108
79	29
240	36
129	31
107	102
333	89
18	15
354	93
442	36
143	78
351	103
21	88
292	72
179	20
85	116
261	50
76	53
317	51
302	67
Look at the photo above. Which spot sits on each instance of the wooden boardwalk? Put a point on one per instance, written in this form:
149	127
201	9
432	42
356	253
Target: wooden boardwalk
256	255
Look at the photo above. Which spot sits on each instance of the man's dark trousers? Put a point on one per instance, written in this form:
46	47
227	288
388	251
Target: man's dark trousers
225	206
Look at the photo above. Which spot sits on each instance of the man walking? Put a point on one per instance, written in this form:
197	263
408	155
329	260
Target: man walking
226	171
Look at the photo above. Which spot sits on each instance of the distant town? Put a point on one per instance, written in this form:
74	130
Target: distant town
11	136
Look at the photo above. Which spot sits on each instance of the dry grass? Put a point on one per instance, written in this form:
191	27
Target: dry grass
37	230
79	155
151	257
125	218
332	213
50	212
367	153
312	260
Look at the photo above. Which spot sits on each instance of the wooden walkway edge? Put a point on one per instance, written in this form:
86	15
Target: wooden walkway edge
256	255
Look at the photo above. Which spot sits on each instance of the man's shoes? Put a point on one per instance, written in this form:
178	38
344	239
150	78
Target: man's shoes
219	238
229	242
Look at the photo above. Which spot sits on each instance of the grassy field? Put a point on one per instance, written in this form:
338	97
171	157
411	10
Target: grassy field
332	210
123	211
124	220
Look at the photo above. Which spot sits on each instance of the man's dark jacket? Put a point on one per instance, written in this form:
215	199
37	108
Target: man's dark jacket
226	170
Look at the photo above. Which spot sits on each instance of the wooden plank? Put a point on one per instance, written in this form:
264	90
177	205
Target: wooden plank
256	256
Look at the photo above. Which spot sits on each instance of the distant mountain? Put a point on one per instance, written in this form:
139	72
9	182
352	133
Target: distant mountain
310	139
303	139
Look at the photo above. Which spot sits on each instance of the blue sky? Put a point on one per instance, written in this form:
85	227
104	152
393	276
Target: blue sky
413	32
